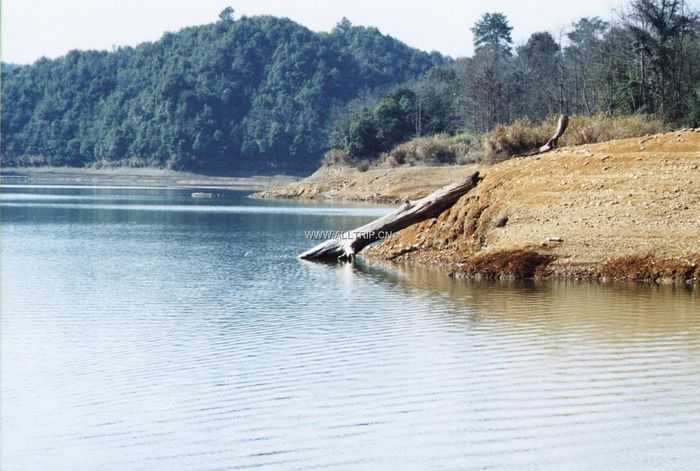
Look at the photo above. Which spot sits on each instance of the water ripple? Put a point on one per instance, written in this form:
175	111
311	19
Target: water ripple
153	343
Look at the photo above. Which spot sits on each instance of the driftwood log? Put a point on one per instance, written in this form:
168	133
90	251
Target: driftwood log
552	142
350	243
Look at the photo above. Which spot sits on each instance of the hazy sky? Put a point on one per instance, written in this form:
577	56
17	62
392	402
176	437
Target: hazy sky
35	28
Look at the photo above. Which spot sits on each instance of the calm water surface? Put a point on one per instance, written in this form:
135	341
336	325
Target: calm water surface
142	329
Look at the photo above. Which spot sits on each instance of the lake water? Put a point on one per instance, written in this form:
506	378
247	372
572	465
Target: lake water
146	330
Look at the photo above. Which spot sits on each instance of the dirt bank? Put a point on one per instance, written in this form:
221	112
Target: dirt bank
385	185
626	209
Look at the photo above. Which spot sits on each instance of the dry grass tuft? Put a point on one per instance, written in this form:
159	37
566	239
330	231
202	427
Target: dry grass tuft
523	135
440	149
337	158
517	138
603	128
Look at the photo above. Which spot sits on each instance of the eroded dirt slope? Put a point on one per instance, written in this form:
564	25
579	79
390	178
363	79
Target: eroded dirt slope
627	209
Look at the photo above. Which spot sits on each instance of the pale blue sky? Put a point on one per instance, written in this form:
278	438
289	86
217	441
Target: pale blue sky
35	28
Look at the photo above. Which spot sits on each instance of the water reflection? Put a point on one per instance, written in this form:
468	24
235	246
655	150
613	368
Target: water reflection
618	311
186	339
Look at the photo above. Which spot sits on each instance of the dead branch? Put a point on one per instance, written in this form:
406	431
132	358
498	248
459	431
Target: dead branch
350	243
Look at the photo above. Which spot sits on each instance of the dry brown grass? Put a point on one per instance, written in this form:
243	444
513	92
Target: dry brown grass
440	149
336	158
523	135
501	143
517	138
603	128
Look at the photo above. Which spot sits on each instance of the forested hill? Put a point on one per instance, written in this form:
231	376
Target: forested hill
254	94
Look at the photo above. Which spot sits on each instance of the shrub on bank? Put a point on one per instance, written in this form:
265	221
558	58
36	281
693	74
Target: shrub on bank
340	158
506	140
337	158
440	149
602	128
522	135
503	142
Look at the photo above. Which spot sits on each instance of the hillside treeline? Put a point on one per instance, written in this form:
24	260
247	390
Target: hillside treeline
645	62
254	94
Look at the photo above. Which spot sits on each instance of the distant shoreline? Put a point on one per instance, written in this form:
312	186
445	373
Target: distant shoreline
125	176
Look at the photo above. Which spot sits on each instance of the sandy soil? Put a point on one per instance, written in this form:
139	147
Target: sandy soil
627	209
136	177
375	185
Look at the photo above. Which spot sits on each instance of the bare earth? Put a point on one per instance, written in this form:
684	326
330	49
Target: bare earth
626	210
375	185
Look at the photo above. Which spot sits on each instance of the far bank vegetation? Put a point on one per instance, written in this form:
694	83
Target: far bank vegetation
265	95
503	142
628	77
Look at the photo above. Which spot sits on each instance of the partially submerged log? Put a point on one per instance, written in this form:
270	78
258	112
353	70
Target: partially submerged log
350	243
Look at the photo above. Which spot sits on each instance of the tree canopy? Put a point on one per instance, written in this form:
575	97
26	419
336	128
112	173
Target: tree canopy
264	94
644	62
254	94
493	31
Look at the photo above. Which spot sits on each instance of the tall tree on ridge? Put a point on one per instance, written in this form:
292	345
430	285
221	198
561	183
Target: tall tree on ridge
488	72
660	29
493	31
540	61
582	59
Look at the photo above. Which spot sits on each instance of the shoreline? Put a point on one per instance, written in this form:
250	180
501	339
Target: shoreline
127	177
571	275
647	271
376	185
626	210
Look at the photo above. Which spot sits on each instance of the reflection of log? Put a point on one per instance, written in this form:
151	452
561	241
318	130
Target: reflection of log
346	246
552	142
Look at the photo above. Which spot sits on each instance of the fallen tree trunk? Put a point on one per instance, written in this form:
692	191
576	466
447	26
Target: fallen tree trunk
350	243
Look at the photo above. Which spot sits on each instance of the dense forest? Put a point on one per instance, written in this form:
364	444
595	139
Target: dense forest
264	94
254	94
645	62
